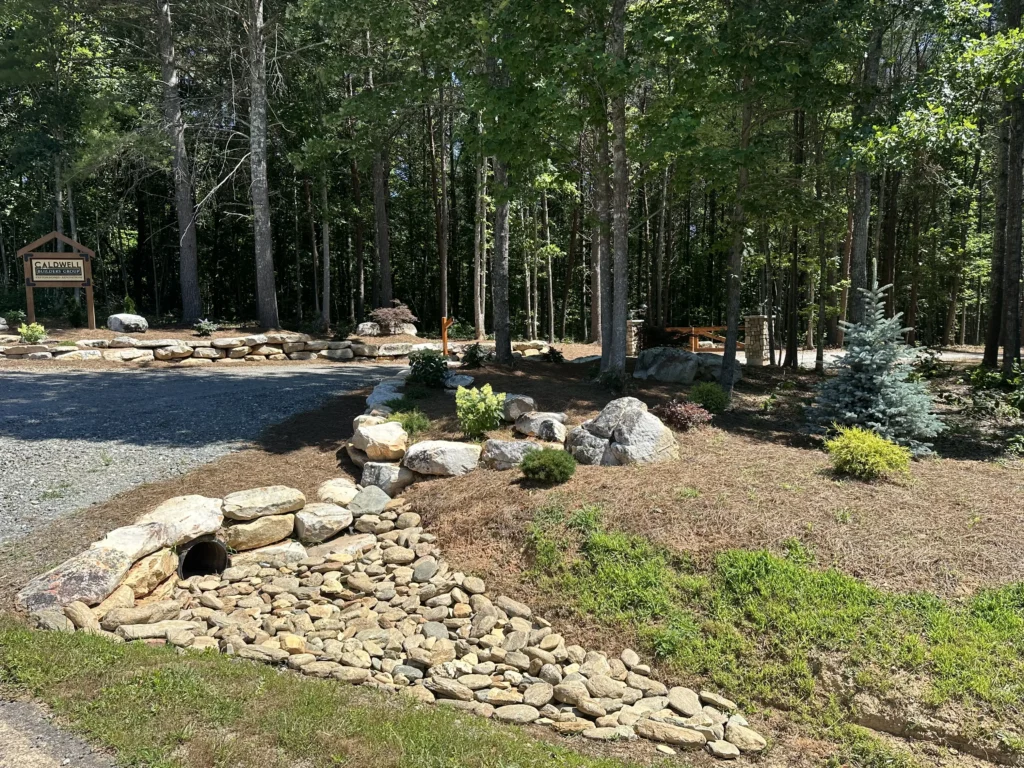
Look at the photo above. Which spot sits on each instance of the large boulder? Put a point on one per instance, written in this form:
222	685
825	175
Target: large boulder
186	517
390	478
135	541
88	577
319	522
442	458
126	323
389	389
641	438
549	427
381	442
587	448
506	454
610	416
516	405
680	366
368	329
260	502
259	533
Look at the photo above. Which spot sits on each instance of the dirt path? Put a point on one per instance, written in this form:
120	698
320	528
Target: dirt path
28	739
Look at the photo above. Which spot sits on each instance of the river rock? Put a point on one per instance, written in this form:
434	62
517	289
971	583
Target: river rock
259	502
319	522
442	458
520	714
746	739
670	734
259	533
82	617
126	323
352	546
506	454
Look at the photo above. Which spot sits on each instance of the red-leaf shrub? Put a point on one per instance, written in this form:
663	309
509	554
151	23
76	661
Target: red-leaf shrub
682	415
391	319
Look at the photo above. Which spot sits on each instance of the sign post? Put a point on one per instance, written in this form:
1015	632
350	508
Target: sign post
446	323
57	269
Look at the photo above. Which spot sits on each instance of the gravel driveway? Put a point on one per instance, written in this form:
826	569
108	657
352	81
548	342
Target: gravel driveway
75	438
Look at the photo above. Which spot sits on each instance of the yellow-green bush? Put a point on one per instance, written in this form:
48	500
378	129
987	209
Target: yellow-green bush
862	453
478	409
32	334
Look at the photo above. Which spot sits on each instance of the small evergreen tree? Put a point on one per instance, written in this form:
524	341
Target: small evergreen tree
872	389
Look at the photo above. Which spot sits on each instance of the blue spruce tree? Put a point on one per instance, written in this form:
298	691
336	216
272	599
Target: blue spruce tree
872	389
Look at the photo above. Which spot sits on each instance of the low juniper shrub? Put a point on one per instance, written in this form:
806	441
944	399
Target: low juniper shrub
205	328
548	465
682	415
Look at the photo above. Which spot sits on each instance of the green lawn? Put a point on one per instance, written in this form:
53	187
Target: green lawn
164	710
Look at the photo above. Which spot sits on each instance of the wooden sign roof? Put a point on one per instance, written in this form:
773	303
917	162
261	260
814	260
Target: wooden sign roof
75	246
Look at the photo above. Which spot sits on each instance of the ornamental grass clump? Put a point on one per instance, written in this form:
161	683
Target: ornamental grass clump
873	389
478	410
548	465
863	454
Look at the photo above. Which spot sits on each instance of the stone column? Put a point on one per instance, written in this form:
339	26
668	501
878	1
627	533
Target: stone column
756	343
634	329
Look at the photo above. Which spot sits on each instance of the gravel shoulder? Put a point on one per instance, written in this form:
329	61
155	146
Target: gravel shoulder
70	439
30	740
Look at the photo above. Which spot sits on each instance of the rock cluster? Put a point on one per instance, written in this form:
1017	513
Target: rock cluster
625	432
680	366
374	329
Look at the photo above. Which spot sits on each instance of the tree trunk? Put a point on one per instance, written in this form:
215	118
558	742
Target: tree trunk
575	247
313	247
479	246
499	267
604	194
844	298
325	227
440	201
659	258
358	243
266	291
1014	182
993	334
184	203
551	272
74	234
862	206
735	285
595	282
381	236
620	202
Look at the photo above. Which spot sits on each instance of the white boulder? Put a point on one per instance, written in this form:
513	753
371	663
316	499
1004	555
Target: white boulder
126	323
442	458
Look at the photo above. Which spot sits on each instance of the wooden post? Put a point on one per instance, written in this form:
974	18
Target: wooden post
91	308
694	340
446	323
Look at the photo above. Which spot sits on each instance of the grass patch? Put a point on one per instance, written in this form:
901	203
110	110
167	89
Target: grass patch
164	710
413	421
755	623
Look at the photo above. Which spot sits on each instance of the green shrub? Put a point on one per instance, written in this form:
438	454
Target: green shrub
428	368
555	355
32	334
413	421
205	328
864	454
548	465
16	317
474	356
129	305
478	409
709	395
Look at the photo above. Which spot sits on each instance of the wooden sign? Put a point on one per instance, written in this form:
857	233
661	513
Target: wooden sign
57	269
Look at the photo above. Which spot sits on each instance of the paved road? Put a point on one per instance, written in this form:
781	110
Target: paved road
29	740
73	438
